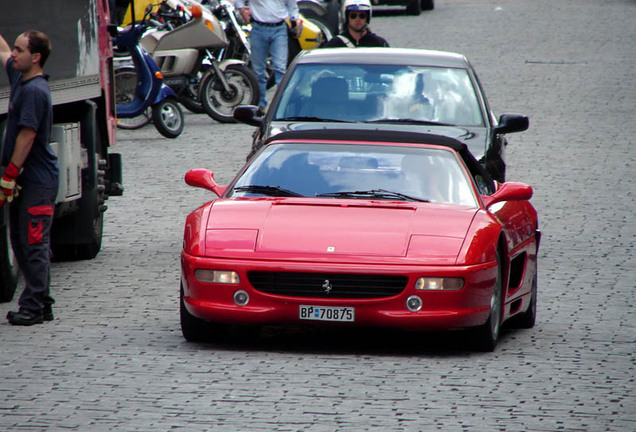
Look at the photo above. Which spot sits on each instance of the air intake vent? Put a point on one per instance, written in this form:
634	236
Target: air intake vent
327	285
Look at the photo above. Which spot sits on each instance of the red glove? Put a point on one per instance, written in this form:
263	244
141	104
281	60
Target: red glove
8	185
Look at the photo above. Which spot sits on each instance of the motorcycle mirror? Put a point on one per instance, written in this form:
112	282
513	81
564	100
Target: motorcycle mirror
248	114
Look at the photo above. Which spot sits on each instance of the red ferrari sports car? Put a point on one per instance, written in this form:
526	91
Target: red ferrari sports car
366	228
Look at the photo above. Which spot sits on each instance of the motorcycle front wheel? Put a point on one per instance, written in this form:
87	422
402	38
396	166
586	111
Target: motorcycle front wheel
243	90
167	116
125	86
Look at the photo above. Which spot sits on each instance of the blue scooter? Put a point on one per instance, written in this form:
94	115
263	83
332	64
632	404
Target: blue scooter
146	88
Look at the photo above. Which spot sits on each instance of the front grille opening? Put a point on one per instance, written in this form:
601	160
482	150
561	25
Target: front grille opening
327	285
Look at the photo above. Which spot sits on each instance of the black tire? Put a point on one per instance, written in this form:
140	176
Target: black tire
220	104
428	4
78	235
486	336
167	116
195	329
413	7
9	270
125	87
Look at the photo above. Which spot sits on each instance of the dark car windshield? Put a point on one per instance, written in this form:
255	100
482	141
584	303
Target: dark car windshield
364	93
356	171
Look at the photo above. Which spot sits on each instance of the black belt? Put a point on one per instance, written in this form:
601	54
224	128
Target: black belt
276	24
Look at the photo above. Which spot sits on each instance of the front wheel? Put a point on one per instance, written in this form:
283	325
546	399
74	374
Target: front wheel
168	118
243	90
195	329
125	87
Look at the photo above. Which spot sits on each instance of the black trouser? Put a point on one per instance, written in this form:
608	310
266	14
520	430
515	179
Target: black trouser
31	217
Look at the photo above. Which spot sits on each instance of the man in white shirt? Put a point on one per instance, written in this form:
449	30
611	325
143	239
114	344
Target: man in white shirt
268	37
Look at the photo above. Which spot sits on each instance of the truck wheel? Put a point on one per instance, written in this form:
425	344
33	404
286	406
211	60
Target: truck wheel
168	118
78	234
9	271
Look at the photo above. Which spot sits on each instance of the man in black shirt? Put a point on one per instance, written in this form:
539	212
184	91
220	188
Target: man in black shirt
30	180
356	32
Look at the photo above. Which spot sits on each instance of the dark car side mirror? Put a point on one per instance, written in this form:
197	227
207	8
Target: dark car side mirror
203	178
248	114
510	191
509	123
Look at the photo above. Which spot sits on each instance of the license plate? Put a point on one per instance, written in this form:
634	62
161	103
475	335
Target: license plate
327	313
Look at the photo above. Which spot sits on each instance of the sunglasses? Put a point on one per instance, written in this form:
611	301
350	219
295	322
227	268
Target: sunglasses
361	15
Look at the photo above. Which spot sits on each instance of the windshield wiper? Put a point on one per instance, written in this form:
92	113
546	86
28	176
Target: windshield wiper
374	193
268	190
410	121
316	119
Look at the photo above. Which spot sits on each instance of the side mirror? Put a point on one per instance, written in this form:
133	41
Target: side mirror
248	114
509	123
204	179
509	192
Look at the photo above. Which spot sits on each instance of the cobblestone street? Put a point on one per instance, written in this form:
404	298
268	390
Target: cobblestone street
114	358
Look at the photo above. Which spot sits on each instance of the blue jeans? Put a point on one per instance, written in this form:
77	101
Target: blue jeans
266	41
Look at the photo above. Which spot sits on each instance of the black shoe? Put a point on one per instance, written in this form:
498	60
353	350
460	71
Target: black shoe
47	313
24	318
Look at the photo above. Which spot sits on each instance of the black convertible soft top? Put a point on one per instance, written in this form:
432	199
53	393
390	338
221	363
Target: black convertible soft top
369	135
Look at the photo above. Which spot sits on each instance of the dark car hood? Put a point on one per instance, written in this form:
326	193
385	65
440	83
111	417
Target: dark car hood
476	138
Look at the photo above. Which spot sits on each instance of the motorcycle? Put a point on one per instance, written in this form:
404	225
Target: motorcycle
140	88
188	43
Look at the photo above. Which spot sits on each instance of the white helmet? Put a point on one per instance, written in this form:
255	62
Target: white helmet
356	5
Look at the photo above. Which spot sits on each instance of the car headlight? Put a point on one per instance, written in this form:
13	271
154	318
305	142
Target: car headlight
439	284
217	276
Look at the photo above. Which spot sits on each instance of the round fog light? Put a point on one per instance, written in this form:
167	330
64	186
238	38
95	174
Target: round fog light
414	303
241	298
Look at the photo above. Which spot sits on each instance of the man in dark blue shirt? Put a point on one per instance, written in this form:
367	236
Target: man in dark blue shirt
30	179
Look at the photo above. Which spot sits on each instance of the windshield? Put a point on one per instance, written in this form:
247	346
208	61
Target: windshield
364	93
383	172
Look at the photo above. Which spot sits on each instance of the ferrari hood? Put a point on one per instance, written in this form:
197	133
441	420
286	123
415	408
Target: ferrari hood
358	228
